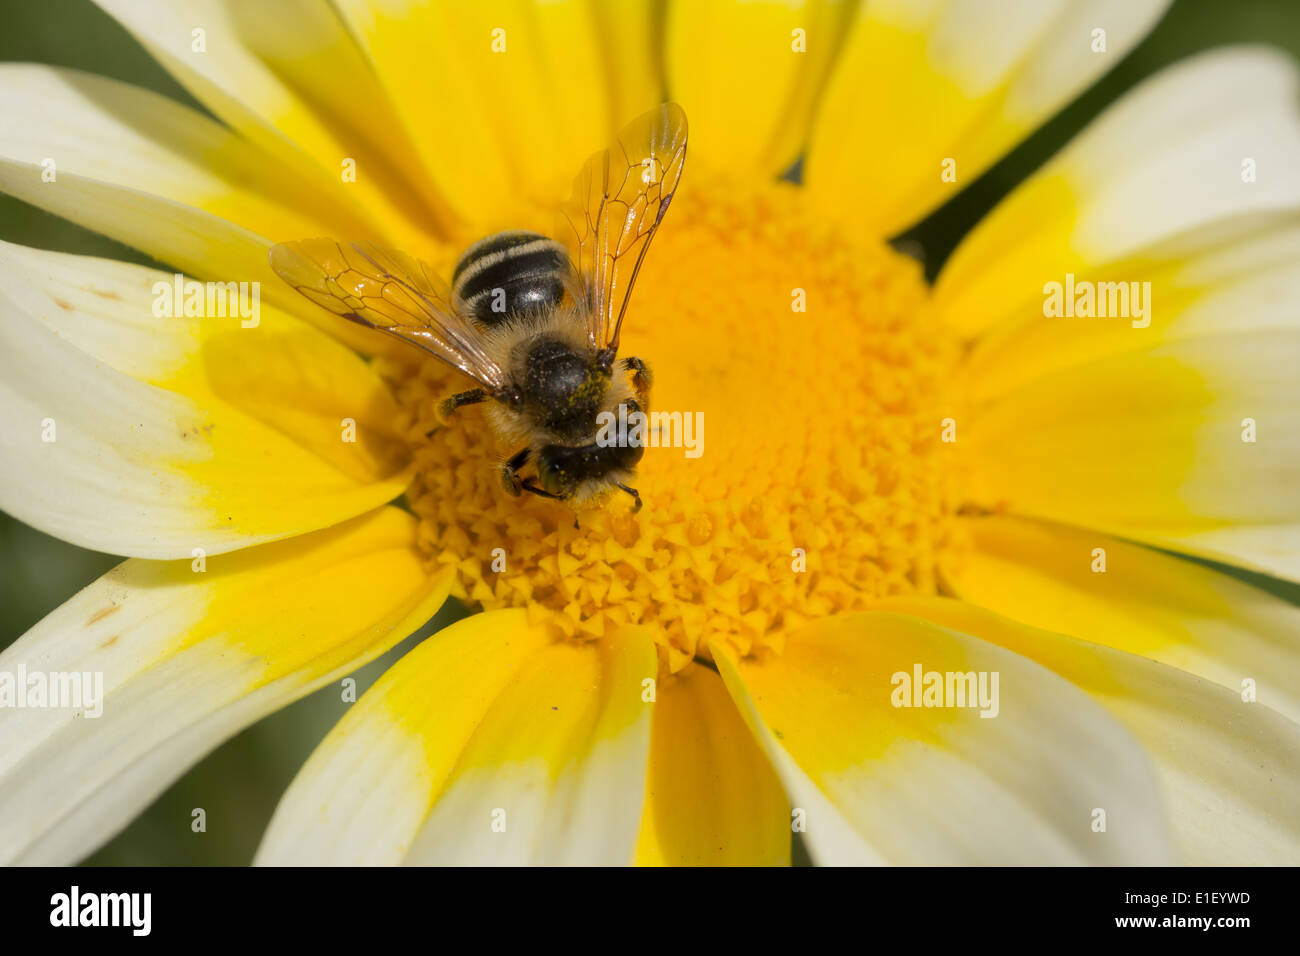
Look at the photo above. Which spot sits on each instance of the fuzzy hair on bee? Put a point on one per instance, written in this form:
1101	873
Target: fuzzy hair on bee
533	320
524	344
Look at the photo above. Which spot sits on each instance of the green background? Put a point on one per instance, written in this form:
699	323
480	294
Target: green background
239	783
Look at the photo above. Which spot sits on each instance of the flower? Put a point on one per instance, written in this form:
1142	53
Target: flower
923	597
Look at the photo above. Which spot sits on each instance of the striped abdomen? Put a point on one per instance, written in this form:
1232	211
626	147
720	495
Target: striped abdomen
509	273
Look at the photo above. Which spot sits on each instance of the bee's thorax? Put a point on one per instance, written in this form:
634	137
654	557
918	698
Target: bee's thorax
563	388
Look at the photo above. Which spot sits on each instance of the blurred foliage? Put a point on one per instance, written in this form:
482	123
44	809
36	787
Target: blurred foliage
239	784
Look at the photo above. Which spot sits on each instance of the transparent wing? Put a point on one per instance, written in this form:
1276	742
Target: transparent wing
390	291
618	201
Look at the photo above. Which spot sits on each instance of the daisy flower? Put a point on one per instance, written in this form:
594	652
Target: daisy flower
926	595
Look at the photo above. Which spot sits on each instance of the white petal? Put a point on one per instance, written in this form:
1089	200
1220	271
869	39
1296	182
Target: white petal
1167	158
1173	446
1014	779
1236	275
153	437
68	122
186	660
489	743
1178	612
1229	770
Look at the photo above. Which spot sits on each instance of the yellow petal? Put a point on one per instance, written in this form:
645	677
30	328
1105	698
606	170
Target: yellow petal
555	773
289	79
922	83
1187	439
1166	159
155	436
630	33
712	798
185	660
1014	780
749	75
504	100
1137	600
1229	770
488	743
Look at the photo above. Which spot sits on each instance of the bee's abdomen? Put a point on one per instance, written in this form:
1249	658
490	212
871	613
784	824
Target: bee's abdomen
509	273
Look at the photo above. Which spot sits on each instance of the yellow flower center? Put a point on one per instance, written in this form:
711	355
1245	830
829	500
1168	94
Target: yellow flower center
815	381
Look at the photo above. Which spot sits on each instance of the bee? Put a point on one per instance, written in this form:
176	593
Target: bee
533	320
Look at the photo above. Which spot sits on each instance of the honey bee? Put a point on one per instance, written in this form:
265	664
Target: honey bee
534	321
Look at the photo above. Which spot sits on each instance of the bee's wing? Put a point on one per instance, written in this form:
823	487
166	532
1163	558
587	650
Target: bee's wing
618	200
390	291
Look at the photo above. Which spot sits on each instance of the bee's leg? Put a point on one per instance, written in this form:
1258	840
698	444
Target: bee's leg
449	405
510	479
527	485
642	377
636	495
